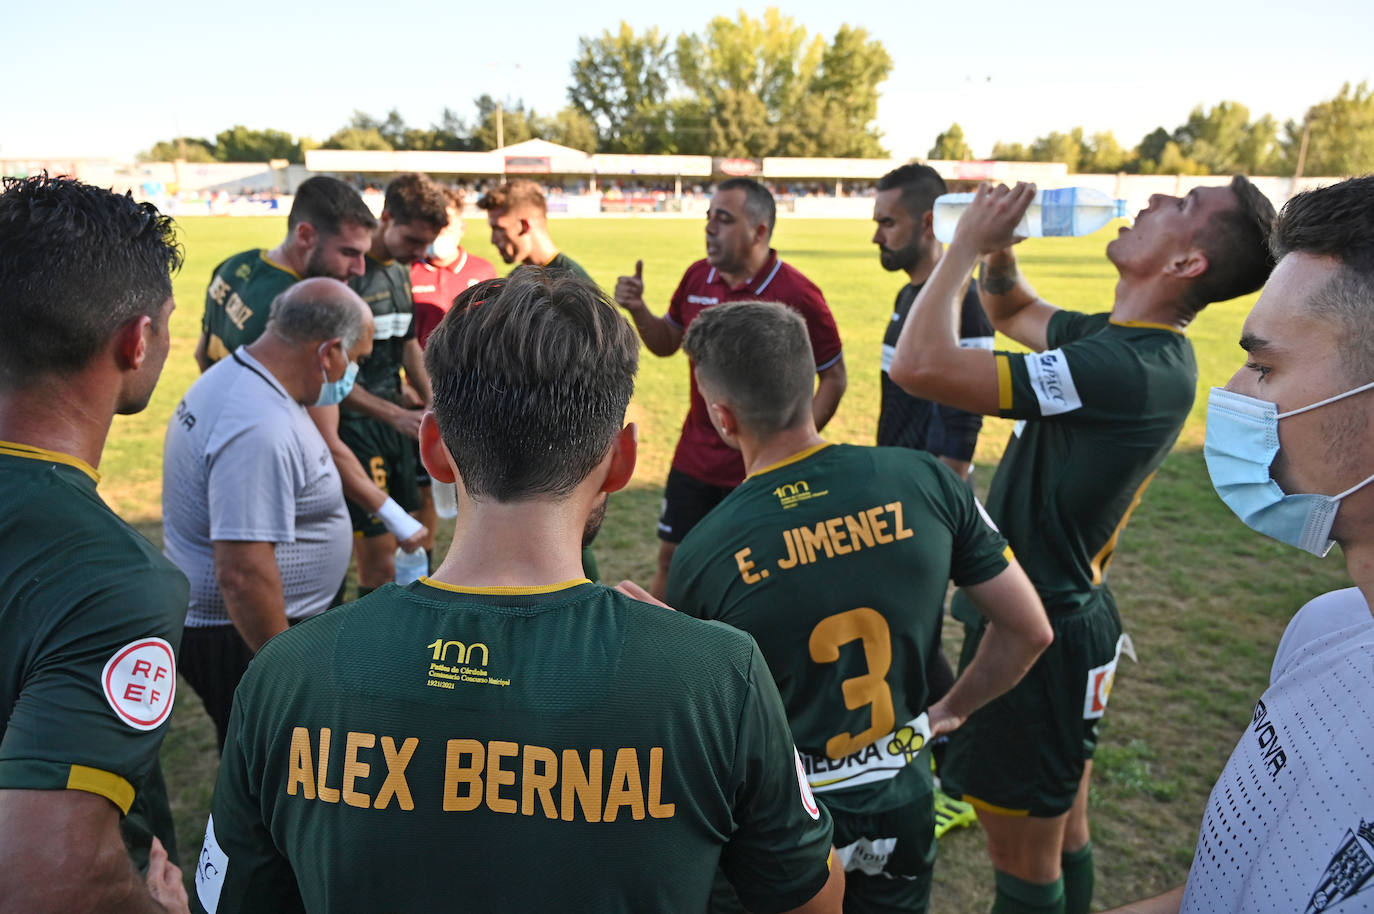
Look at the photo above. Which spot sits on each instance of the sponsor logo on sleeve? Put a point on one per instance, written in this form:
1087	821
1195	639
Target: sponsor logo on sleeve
808	798
210	869
140	681
1052	382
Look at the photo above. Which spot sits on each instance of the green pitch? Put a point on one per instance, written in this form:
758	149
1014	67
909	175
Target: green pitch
1204	599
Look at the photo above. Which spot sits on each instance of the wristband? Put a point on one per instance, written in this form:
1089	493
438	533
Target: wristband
397	521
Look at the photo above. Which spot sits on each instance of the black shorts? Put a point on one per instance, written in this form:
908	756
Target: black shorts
213	660
686	500
421	474
1023	753
389	458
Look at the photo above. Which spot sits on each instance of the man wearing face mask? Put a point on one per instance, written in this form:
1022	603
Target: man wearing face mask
253	509
1290	823
445	271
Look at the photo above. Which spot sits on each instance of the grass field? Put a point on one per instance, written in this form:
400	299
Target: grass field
1204	599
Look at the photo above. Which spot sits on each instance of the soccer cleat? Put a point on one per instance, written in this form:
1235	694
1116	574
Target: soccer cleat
951	813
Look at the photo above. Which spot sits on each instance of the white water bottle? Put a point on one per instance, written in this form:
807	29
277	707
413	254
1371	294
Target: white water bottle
411	566
1053	213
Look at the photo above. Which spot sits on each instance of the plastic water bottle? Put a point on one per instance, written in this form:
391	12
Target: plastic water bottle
1066	211
411	566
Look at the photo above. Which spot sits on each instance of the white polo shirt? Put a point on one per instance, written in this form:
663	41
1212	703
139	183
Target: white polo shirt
243	461
1290	823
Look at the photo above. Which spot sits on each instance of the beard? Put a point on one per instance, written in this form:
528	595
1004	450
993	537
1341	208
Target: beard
594	521
315	265
899	258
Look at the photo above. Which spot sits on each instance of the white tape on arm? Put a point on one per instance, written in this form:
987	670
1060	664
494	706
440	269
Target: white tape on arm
401	524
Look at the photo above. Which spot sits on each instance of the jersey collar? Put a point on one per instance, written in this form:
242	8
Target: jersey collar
506	590
280	266
1146	324
29	452
756	283
788	461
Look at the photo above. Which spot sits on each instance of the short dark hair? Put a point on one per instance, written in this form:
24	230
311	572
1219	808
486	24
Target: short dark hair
413	197
758	202
919	184
758	356
1235	240
531	377
327	203
76	264
1337	221
520	192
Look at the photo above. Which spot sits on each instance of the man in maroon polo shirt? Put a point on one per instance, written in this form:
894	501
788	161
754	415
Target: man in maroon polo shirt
739	266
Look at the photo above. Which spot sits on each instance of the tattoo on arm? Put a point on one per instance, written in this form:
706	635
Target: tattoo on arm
998	278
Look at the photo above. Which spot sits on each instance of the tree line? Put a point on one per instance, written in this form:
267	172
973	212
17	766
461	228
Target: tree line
1335	137
741	87
754	87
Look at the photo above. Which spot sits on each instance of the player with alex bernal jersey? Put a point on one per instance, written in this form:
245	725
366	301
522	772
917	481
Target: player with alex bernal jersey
836	559
505	732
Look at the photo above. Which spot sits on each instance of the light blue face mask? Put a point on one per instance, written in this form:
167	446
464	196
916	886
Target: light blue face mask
1242	441
333	392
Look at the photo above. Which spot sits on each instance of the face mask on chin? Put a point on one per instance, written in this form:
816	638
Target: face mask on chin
442	249
1241	444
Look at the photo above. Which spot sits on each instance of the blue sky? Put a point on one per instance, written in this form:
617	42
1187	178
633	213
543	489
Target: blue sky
84	78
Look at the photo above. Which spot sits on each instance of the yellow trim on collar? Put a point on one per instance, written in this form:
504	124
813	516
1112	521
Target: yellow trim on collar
505	590
280	266
1149	324
29	452
104	783
800	455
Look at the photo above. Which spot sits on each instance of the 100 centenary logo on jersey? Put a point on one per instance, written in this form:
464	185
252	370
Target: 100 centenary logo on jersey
140	681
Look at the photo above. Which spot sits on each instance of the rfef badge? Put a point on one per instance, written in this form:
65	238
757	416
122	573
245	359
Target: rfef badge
140	681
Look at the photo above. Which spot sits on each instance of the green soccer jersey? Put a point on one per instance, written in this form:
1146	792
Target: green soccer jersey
1103	405
92	617
385	286
837	562
560	748
238	300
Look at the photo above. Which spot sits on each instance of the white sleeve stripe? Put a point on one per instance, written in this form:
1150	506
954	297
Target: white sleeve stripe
976	342
830	363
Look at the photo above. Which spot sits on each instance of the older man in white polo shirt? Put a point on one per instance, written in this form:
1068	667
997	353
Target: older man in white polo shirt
253	508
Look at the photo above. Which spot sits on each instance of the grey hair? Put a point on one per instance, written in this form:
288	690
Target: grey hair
301	317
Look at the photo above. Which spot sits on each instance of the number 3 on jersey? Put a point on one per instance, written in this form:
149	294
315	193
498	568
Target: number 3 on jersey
869	627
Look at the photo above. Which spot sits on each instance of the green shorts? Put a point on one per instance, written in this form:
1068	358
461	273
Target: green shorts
389	458
1024	753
